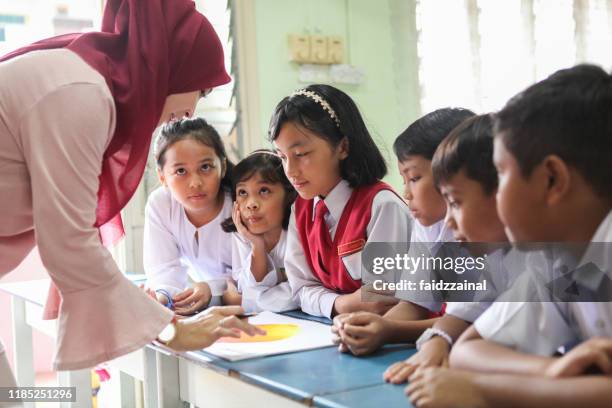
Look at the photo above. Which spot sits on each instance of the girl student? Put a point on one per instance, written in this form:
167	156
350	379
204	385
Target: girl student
330	158
262	205
414	148
182	231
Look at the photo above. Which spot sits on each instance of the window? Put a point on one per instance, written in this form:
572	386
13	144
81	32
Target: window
479	53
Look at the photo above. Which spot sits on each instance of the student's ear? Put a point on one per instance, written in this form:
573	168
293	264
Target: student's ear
558	179
223	167
160	177
343	148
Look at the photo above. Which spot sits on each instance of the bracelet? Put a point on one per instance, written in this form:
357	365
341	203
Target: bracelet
432	332
170	303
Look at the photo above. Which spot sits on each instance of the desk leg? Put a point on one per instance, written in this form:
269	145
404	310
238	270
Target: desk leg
150	378
128	390
168	381
22	344
81	379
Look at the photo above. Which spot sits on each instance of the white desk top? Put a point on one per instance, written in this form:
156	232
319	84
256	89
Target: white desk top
33	291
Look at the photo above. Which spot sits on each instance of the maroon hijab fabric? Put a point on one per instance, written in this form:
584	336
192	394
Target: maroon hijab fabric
146	50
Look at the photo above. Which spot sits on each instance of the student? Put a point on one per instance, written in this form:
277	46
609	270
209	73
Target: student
414	149
262	205
551	150
330	158
182	232
464	173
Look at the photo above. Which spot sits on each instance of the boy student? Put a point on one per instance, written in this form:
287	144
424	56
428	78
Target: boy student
463	171
552	149
362	333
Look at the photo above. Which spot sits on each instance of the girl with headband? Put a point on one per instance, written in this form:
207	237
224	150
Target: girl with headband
335	166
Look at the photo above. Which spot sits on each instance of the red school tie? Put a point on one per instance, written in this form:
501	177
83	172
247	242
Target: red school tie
321	240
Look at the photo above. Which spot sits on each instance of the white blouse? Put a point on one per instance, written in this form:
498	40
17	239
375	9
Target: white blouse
542	327
273	292
390	221
171	251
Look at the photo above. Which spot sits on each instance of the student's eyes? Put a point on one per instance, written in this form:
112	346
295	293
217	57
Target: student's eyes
453	204
264	191
414	179
301	154
242	193
207	167
180	171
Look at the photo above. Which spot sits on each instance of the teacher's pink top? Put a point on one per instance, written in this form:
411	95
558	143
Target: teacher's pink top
57	117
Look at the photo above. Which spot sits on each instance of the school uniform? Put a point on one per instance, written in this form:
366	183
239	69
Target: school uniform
498	273
428	240
373	214
172	252
542	327
273	292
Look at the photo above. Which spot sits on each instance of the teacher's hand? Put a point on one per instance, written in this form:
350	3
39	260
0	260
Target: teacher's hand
203	329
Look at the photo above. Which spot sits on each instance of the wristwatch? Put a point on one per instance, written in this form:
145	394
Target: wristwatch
169	332
431	332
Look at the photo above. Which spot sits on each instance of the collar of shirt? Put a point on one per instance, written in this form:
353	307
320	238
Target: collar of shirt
597	253
191	229
335	202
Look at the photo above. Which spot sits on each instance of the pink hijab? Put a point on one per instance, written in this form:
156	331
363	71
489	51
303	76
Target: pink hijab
146	50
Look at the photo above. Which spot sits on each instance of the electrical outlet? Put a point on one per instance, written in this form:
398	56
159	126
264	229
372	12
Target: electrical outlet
318	49
299	48
335	50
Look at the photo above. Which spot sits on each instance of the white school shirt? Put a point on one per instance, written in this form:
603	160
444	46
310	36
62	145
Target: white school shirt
542	327
171	251
390	221
434	234
270	293
502	268
469	311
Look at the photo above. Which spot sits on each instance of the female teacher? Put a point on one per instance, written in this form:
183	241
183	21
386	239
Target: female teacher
76	117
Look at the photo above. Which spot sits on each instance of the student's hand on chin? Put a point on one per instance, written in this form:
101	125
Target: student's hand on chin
193	299
592	355
363	332
200	331
433	353
254	239
437	387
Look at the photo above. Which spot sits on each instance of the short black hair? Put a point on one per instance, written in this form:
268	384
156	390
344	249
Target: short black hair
270	168
365	163
568	114
424	135
468	147
196	129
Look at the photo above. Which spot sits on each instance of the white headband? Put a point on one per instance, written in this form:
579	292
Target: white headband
319	99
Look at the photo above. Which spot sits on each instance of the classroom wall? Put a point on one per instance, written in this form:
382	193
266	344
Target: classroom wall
379	37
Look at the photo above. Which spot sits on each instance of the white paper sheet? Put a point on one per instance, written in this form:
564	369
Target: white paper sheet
285	334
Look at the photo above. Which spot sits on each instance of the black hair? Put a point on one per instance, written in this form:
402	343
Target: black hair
468	147
365	163
270	168
196	129
424	135
568	114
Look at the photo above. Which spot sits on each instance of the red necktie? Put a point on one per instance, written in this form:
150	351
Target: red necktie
321	240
